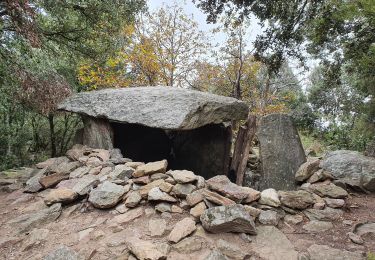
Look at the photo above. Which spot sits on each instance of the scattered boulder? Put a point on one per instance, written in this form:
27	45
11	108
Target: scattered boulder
307	169
62	253
151	168
270	197
79	172
269	217
133	199
33	184
189	245
334	203
224	186
161	184
320	175
254	212
351	168
194	198
329	190
163	207
62	195
231	250
327	214
216	198
183	176
155	194
129	216
29	221
281	152
316	226
271	243
157	227
296	199
198	210
106	195
253	195
85	184
233	218
182	229
319	252
144	250
53	179
182	190
121	172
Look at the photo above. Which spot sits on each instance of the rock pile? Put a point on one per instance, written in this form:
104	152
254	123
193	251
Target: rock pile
103	179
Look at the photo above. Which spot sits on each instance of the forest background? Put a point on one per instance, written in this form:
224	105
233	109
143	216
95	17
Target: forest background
51	49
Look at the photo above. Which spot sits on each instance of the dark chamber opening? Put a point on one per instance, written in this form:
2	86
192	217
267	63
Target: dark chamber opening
204	150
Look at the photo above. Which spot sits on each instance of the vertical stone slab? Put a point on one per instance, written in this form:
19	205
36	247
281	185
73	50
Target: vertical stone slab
281	152
97	133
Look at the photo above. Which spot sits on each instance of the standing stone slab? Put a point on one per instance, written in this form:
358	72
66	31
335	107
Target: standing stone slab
281	152
97	133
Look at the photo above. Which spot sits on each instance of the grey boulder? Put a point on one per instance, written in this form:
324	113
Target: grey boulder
159	107
351	168
106	195
233	218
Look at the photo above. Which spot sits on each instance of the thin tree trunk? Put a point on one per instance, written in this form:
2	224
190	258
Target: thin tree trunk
242	148
52	134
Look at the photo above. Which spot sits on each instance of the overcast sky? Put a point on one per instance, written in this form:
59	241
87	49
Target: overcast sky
200	18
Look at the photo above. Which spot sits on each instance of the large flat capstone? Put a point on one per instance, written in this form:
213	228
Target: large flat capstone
157	107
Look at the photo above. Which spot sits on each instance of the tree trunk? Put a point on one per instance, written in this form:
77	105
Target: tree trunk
52	134
242	148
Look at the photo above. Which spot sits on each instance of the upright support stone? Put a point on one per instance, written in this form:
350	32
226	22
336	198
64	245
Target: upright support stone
97	133
281	152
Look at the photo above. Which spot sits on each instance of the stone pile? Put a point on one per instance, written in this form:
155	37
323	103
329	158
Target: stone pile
103	179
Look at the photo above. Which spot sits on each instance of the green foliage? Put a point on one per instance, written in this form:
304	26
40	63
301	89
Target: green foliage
370	256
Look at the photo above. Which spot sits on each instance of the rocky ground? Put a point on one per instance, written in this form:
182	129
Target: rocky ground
94	204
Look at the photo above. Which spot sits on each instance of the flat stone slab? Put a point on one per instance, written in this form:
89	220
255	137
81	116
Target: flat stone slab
159	107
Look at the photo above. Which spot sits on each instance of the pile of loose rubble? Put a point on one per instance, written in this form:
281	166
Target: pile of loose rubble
103	179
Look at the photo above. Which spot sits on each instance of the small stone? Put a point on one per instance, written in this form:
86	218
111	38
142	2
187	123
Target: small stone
270	197
269	217
33	184
347	222
320	175
198	210
93	162
176	209
254	212
62	253
128	216
307	169
330	190
335	203
163	207
189	245
142	180
158	176
134	165
356	239
155	194
216	255
133	199
182	229
316	226
319	252
327	214
230	250
106	195
182	190
144	250
62	195
170	180
194	198
201	182
222	185
121	208
232	218
216	198
79	172
183	176
253	195
157	227
121	172
151	168
245	237
166	215
161	184
299	199
293	219
85	184
184	205
319	205
53	179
